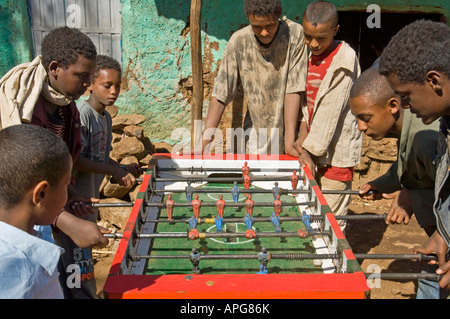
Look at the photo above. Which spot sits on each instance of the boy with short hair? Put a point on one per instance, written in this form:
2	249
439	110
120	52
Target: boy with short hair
269	58
93	164
416	64
42	93
28	265
410	180
329	142
96	133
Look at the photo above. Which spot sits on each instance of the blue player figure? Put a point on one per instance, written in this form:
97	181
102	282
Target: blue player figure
193	221
235	190
249	221
189	191
193	233
264	258
307	221
275	222
194	257
219	222
276	191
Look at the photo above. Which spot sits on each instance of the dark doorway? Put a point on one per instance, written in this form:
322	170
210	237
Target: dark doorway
368	43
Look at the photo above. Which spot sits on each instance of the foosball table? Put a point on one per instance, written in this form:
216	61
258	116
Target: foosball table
232	226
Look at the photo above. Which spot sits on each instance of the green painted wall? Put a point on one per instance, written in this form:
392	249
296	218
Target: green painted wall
15	34
157	55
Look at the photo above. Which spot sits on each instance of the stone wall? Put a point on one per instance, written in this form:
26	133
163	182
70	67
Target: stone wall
129	145
376	158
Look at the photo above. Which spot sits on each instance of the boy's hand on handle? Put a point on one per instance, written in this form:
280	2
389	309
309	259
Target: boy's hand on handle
291	150
90	235
368	191
436	245
400	210
306	160
297	146
81	206
123	177
134	169
85	234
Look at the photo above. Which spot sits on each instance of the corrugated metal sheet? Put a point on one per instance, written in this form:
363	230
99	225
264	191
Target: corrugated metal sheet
99	19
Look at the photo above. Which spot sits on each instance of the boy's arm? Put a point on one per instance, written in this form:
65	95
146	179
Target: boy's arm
296	96
305	157
120	175
132	168
85	234
292	104
215	111
302	133
389	181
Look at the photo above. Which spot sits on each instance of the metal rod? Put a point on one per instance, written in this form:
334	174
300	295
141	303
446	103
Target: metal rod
218	235
282	191
357	217
403	276
222	169
229	190
219	179
100	205
420	257
162	205
289	256
210	220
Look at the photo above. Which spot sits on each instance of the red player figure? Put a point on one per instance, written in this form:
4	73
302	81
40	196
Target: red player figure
169	206
193	234
245	169
277	204
294	179
220	204
247	180
249	204
302	233
250	234
196	203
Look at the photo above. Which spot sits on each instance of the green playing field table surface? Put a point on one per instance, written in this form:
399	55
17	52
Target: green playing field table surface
209	246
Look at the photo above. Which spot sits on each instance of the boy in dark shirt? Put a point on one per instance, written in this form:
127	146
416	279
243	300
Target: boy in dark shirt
416	64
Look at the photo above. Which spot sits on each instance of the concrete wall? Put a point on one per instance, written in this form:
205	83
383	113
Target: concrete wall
15	34
156	50
157	56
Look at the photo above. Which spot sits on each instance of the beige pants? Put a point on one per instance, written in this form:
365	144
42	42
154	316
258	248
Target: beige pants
338	203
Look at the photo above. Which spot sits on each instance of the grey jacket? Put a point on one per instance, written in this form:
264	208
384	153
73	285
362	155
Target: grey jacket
442	186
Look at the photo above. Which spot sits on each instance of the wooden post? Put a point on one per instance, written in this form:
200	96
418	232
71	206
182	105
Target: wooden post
197	73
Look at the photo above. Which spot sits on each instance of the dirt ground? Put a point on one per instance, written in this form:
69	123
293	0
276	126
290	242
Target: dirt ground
375	237
363	236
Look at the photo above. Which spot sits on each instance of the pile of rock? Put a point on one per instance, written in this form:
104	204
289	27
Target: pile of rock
129	145
376	158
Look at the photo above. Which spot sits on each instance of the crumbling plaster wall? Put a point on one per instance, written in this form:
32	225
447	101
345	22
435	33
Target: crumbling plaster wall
157	60
15	34
157	56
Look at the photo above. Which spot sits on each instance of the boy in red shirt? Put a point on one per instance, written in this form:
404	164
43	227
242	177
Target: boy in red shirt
329	142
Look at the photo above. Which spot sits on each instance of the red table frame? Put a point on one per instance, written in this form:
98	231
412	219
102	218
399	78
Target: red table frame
352	284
